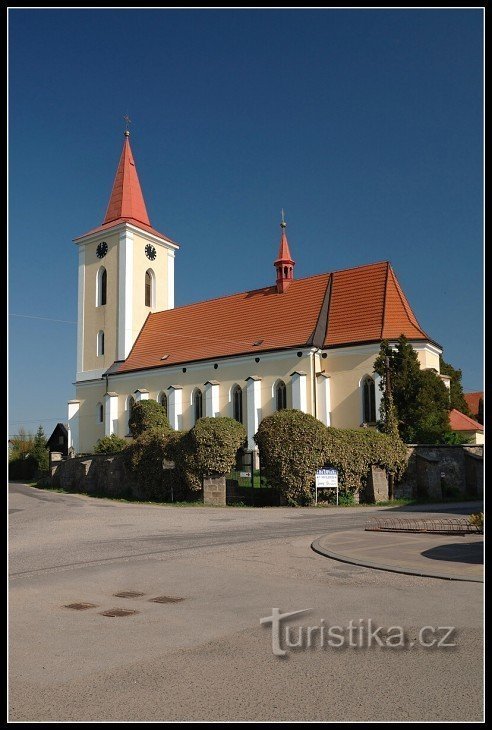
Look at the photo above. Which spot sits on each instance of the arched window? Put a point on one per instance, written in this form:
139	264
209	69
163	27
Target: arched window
101	287
280	395
149	288
163	401
100	412
100	343
197	404
368	400
237	403
130	402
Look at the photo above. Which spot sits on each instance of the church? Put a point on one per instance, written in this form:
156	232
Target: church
304	343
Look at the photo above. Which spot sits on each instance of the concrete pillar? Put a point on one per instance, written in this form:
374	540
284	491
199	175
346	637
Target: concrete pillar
323	392
141	394
110	414
299	390
175	407
253	400
73	425
378	395
212	398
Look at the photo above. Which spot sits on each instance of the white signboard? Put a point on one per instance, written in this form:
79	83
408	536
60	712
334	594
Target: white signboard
326	479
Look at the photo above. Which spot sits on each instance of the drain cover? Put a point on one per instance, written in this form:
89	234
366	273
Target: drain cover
80	606
165	599
119	612
128	594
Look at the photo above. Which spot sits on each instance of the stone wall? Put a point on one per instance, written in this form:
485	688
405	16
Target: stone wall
438	472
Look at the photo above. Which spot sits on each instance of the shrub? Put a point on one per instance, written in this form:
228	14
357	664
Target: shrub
292	445
214	443
353	450
147	415
179	450
110	444
145	458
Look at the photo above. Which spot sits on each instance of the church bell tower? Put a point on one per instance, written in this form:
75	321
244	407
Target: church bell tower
125	271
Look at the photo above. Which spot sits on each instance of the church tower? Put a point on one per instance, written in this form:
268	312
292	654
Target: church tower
125	271
284	263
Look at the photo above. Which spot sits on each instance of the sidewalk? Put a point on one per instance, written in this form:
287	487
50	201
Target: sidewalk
451	557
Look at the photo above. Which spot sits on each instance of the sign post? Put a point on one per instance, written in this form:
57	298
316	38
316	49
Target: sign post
326	479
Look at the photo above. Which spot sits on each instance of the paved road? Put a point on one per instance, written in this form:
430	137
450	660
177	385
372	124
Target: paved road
206	657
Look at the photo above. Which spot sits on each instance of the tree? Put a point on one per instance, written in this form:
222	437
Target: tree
456	395
20	445
420	398
146	415
39	452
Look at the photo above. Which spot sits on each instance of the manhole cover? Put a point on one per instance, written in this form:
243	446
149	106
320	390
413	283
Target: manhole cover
80	606
119	612
165	599
128	594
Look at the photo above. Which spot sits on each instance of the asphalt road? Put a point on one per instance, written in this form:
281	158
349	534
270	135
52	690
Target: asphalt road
206	657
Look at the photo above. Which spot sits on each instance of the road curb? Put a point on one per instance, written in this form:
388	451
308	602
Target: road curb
318	548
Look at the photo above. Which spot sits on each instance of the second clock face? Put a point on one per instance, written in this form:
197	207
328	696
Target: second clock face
150	251
102	250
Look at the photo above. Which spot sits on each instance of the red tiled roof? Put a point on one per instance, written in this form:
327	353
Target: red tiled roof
459	422
473	401
365	305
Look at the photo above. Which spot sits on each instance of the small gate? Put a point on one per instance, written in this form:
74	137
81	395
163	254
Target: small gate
245	486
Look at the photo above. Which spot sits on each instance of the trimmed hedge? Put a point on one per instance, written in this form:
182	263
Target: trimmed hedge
353	450
146	415
214	443
292	445
145	458
110	444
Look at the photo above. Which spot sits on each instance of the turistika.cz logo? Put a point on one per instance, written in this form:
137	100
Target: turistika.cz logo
357	634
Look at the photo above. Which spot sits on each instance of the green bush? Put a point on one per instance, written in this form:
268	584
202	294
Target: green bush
353	450
214	443
179	450
147	415
292	445
110	444
145	456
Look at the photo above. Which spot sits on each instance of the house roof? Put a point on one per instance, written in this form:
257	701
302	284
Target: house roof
459	422
352	306
61	429
126	202
473	401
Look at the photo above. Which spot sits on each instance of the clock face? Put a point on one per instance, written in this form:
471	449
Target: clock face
150	252
102	250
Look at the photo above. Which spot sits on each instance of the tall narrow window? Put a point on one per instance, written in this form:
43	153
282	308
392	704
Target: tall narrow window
129	405
100	343
237	403
149	288
280	395
163	401
368	400
101	286
197	404
100	412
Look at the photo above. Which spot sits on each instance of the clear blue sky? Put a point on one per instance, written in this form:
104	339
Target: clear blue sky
365	125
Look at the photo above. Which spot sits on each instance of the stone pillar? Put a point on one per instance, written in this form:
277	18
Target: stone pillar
55	458
141	394
323	393
73	425
175	407
214	491
299	390
212	398
110	414
253	401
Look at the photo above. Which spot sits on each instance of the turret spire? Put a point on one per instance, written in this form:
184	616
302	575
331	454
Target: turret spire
284	262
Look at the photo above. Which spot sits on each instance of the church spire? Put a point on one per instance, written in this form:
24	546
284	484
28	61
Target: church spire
284	263
126	199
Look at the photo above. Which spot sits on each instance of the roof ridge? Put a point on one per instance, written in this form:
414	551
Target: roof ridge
270	286
466	418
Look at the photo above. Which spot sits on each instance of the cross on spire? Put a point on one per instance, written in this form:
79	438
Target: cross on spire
128	121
